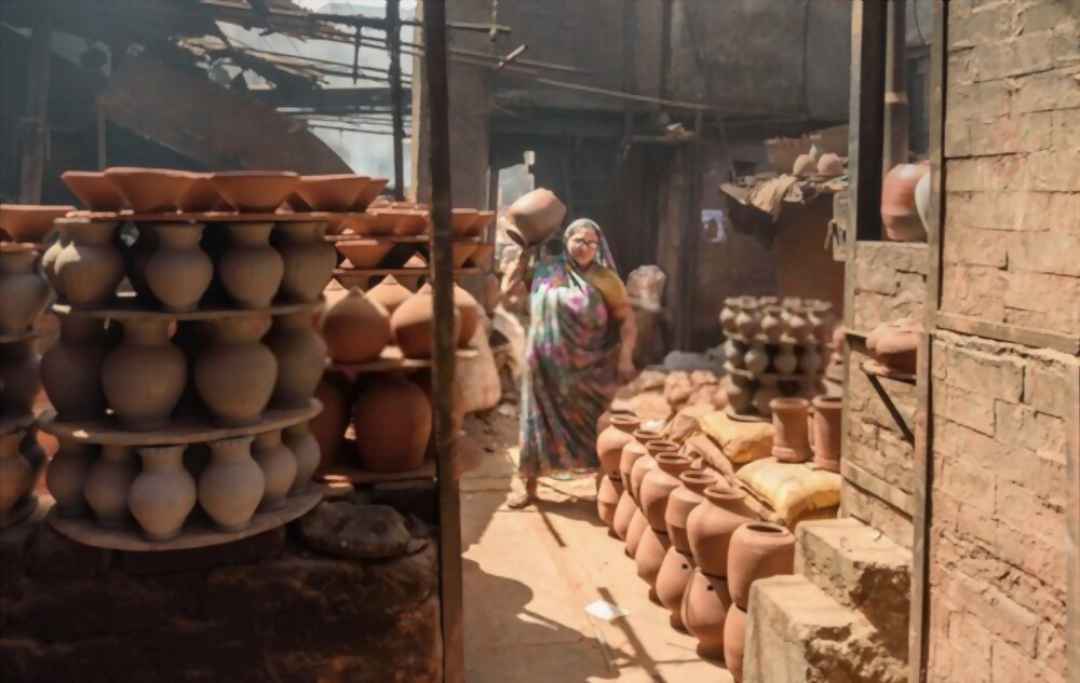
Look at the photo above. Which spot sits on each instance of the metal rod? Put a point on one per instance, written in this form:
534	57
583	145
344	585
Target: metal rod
393	43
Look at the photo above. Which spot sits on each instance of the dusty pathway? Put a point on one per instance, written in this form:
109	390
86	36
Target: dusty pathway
529	575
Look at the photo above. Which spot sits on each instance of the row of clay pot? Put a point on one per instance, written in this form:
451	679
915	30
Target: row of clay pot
404	219
176	265
367	254
801	433
21	461
235	366
783	358
775	319
747	396
230	479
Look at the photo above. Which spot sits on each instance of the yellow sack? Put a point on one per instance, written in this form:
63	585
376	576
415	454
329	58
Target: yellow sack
742	442
792	491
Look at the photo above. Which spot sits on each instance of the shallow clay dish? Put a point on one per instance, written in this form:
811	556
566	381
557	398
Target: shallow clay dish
483	220
482	257
255	191
461	222
372	189
200	195
94	190
331	192
411	222
30	222
463	251
150	190
364	253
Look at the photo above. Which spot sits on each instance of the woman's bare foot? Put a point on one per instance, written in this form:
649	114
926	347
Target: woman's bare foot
525	496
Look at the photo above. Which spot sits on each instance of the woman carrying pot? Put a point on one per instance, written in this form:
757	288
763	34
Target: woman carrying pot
580	346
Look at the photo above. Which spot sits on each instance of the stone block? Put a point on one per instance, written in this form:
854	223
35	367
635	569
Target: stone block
1053	171
1059	89
1046	389
1041	253
1026	54
894	523
969	408
976	246
1044	15
1043	301
1032	431
974	291
1009	664
1000	377
1066	136
969	482
996	612
1032	132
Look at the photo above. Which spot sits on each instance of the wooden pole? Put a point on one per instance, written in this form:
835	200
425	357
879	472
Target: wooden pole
36	132
896	99
393	44
438	110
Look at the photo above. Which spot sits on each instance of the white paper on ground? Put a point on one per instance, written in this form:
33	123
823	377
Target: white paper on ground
605	610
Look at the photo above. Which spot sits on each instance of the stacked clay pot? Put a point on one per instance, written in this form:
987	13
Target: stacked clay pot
678	567
653	495
610	493
652	443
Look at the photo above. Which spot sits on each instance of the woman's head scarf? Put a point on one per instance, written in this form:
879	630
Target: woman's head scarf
604	256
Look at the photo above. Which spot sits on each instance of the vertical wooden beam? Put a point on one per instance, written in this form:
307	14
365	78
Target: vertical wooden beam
1072	552
35	137
896	143
393	46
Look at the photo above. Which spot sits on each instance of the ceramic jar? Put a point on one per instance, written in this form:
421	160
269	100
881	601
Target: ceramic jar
250	269
710	526
682	502
232	485
138	255
756	359
607	499
470	313
642	467
611	442
658	485
144	377
791	439
772	326
796	325
735	641
898	210
535	216
66	477
785	361
767	391
649	557
389	293
108	485
634	531
328	427
758	550
16	474
278	465
235	377
672	582
23	292
356	329
706	606
71	369
826	434
164	493
308	260
624	512
305	449
631	452
20	380
392	417
89	268
301	359
178	272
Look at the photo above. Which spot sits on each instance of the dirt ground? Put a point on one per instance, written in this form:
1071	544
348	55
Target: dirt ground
529	575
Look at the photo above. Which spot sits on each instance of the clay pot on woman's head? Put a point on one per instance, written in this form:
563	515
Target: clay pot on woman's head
71	369
23	292
90	267
413	325
393	423
827	432
657	486
309	261
355	328
898	211
301	359
164	493
672	582
236	375
705	609
535	216
683	501
178	273
611	442
758	550
144	377
710	525
250	269
232	486
791	441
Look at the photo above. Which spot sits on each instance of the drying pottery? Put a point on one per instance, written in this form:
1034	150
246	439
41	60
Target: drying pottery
144	377
766	392
94	190
728	314
735	353
898	211
108	485
418	263
30	222
658	485
746	321
683	501
706	606
738	395
607	499
791	439
535	216
633	450
370	192
278	465
19	377
301	359
250	269
758	550
462	252
710	526
785	361
328	427
649	557
255	191
483	221
658	446
820	316
164	493
16	474
389	293
735	641
382	221
392	417
150	190
410	222
611	442
810	362
413	324
364	254
830	165
796	325
66	477
305	449
337	192
756	359
642	467
71	369
89	268
48	259
23	292
772	326
468	309
826	434
462	222
178	273
232	485
309	260
624	512
672	582
200	195
355	328
136	258
634	531
235	377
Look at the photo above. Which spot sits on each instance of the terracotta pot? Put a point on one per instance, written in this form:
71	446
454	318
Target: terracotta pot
30	222
23	291
758	550
48	259
746	321
410	222
364	254
827	432
483	221
642	467
830	165
200	195
71	369
20	381
785	361
535	216
108	485
633	450
371	191
178	273
811	361
94	190
301	359
772	326
735	642
706	605
305	449
336	192
329	426
16	473
235	377
389	293
392	417
658	446
607	499
418	263
735	354
791	439
89	268
804	166
682	502
611	442
278	465
672	582
66	477
728	314
232	486
624	512
821	317
710	526
796	325
413	327
136	259
766	392
309	261
144	377
355	328
250	269
462	221
150	190
638	525
756	359
657	486
468	309
898	211
255	191
649	557
164	493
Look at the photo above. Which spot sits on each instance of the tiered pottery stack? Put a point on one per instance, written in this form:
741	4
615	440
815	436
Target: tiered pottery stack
184	378
773	349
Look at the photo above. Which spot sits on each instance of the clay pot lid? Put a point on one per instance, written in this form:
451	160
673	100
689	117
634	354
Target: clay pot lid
255	191
200	195
94	190
331	192
364	253
787	404
150	190
372	189
30	222
698	480
898	189
672	462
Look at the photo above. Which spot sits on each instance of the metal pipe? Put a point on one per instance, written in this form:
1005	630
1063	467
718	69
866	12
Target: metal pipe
896	99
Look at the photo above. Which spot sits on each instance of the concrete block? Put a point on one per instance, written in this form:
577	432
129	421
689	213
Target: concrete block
1040	253
985	373
973	291
975	246
1059	89
1024	55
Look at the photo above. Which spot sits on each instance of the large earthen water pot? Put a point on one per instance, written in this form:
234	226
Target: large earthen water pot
735	641
535	216
710	526
706	605
672	582
392	417
235	376
329	426
71	369
108	485
178	272
624	512
634	531
649	557
607	499
301	359
898	211
826	434
611	442
413	325
94	190
90	267
23	291
66	477
144	377
163	494
16	473
309	261
255	191
232	485
683	501
355	328
250	269
30	222
305	449
658	485
791	439
150	190
389	293
758	550
20	380
279	468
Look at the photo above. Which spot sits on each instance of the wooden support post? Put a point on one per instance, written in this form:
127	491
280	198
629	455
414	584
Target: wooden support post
393	46
450	569
896	99
1072	511
35	137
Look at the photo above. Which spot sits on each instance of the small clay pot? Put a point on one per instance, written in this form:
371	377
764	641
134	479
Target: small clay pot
89	268
144	377
758	550
899	213
108	485
279	468
671	583
389	293
20	381
16	473
393	423
636	529
164	493
178	273
94	190
706	605
23	291
355	328
30	222
200	194
309	261
611	442
735	641
710	526
607	499
641	468
683	501
301	359
336	192
235	377
624	512
756	359
649	557
250	269
413	325
328	427
255	191
535	216
305	449
150	190
791	440
66	477
747	320
827	432
232	486
71	369
657	486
